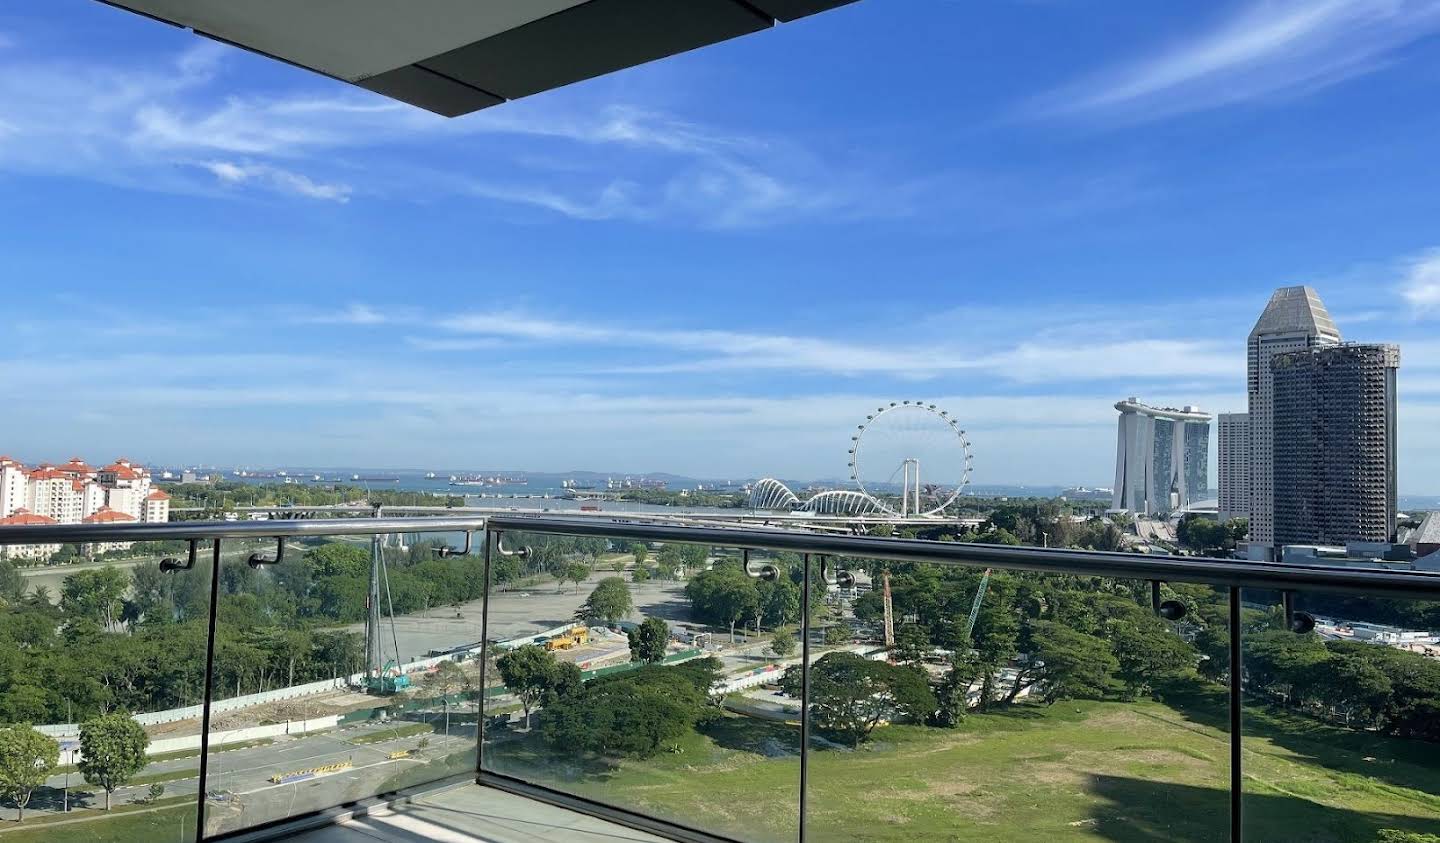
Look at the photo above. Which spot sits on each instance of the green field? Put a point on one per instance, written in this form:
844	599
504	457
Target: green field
1141	771
127	824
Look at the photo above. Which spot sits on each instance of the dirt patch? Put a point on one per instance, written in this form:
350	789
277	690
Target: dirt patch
1119	719
1051	773
1166	764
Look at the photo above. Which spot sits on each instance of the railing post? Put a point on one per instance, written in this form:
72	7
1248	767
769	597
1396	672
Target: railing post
209	692
1237	792
804	696
484	661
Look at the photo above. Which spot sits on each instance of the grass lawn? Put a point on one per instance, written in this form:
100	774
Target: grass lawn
161	778
398	732
1143	771
125	824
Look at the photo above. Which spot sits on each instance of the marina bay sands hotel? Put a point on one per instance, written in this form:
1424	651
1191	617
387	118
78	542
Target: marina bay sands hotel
1162	457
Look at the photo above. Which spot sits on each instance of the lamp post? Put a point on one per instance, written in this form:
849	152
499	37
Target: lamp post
65	804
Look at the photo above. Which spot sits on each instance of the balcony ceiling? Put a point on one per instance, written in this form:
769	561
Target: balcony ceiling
457	56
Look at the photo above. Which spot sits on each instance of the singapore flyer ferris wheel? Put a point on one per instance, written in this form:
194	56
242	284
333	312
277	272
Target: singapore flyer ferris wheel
911	458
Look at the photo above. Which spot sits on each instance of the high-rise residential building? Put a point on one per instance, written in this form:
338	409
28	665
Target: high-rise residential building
1162	457
1234	465
1294	320
74	491
1334	444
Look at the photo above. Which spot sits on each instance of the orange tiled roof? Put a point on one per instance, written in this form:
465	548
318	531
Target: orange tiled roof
106	515
157	495
25	518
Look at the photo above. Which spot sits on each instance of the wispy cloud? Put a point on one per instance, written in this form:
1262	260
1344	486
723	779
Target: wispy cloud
706	350
453	343
277	179
1421	286
352	314
162	128
1266	49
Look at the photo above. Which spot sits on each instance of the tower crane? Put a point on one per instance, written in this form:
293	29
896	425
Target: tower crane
975	607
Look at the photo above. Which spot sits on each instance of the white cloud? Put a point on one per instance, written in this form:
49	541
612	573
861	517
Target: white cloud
723	350
1269	48
1421	286
352	314
150	128
453	343
277	179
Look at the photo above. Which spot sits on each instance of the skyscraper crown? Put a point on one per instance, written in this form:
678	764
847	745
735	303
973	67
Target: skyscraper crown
1296	310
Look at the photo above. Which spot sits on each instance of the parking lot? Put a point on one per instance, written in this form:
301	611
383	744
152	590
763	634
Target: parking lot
522	611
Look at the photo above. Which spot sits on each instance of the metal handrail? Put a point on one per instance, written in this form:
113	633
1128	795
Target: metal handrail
1222	572
273	528
1192	569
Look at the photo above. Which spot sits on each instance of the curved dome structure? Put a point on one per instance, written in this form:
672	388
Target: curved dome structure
772	494
842	502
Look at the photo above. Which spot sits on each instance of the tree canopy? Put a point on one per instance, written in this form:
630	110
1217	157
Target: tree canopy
609	602
637	713
649	640
26	760
529	672
850	695
112	750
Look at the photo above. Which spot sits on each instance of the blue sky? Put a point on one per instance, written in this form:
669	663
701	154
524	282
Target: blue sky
717	263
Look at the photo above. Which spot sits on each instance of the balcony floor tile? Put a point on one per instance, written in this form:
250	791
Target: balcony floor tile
471	813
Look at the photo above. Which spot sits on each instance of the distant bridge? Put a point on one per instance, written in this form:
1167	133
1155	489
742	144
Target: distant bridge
832	521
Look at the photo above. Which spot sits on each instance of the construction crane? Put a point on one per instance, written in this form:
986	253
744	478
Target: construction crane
975	607
889	613
382	675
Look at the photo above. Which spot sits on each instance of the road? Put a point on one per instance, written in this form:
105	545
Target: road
245	773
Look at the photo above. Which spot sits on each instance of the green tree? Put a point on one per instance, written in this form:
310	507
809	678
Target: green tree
1071	664
12	584
722	595
912	643
782	644
575	572
648	641
952	697
640	574
640	552
95	595
1147	652
836	634
609	602
113	750
339	559
448	679
850	695
26	759
528	672
629	714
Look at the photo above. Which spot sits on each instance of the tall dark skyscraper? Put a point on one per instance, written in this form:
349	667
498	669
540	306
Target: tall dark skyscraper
1295	319
1333	417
